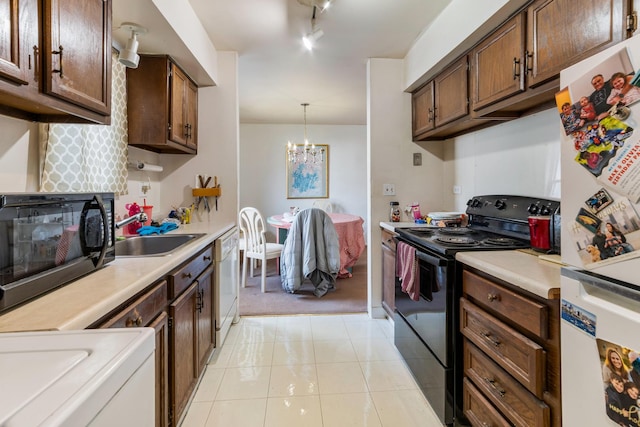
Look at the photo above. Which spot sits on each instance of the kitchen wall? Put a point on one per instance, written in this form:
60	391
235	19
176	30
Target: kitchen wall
18	155
519	157
263	172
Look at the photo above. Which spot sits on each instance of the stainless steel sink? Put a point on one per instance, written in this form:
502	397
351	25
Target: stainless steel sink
155	245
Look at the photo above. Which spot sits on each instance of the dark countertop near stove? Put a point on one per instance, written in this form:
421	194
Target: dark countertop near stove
539	275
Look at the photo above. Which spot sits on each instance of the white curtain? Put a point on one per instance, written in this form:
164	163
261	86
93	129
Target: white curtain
88	158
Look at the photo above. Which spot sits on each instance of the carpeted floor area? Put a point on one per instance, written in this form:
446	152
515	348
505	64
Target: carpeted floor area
350	295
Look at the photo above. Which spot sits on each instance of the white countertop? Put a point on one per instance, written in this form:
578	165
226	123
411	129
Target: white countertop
520	268
84	301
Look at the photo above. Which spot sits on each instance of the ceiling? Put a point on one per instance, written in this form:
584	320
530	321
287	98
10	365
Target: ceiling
276	73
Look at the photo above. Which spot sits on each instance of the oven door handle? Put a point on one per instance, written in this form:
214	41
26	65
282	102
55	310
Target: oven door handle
432	260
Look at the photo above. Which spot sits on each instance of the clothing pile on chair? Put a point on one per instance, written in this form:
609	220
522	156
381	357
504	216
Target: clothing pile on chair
311	251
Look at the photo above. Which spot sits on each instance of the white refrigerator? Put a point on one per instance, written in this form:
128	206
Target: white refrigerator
599	116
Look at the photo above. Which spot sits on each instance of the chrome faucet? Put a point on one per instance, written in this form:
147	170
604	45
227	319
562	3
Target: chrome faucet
141	217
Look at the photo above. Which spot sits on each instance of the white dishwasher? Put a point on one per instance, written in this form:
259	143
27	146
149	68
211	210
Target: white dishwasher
226	283
78	378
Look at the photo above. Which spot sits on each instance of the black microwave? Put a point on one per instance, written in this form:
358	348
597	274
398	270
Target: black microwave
49	239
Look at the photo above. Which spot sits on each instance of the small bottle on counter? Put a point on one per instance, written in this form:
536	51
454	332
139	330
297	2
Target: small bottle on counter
394	214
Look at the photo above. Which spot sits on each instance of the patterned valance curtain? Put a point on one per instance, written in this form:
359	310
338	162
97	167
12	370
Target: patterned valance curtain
88	158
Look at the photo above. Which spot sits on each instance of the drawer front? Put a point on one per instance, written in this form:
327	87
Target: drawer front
142	311
180	279
517	354
494	297
387	239
519	406
478	409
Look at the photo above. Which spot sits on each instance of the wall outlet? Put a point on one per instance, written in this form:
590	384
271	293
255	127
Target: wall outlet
388	190
144	188
457	189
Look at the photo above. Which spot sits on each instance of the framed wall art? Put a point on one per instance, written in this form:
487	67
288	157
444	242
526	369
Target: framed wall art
308	175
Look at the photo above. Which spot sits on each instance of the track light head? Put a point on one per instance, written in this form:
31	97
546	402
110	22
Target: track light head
310	39
129	55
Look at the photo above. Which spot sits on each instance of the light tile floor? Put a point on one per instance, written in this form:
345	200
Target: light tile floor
324	370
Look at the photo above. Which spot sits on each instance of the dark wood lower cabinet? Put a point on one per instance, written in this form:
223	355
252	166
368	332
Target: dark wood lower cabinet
161	325
511	354
180	307
191	329
183	337
149	310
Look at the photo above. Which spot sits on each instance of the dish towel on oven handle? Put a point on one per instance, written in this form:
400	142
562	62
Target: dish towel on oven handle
406	270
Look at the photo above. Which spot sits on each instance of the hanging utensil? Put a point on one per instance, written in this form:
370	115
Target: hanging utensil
215	185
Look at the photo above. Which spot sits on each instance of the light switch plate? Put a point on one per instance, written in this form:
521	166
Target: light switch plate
388	190
417	159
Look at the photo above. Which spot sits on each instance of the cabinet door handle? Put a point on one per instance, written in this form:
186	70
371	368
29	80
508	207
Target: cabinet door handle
516	68
58	52
36	63
528	62
430	116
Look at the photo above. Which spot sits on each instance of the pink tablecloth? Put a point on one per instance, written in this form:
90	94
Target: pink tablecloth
350	235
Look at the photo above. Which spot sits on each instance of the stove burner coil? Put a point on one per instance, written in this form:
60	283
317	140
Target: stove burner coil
457	240
500	241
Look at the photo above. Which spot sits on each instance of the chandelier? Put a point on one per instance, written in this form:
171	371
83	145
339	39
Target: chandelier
307	153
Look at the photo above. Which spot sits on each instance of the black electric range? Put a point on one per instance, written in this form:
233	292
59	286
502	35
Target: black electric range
427	320
496	222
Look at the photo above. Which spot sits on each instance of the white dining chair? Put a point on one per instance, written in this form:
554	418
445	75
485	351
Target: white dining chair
323	204
256	246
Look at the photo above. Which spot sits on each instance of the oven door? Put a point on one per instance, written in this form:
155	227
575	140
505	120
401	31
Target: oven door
432	316
425	331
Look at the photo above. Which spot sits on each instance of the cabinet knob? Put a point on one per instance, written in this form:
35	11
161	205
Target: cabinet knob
493	297
137	321
188	275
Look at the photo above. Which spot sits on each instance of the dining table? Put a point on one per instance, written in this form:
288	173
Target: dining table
350	237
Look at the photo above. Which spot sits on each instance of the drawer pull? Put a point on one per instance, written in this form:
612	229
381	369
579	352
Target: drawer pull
130	323
493	297
498	389
487	335
188	275
206	258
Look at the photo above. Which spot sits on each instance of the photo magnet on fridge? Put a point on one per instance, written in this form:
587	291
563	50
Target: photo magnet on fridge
600	200
588	220
579	317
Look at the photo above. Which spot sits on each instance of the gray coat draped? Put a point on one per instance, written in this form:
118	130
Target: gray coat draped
311	251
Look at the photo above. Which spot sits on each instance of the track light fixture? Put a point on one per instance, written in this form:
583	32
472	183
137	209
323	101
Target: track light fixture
129	55
309	40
